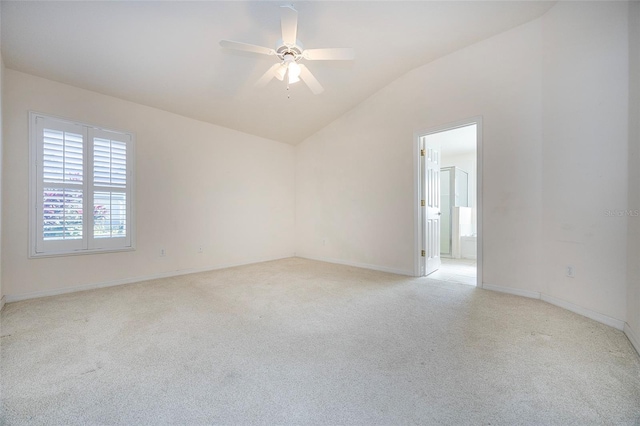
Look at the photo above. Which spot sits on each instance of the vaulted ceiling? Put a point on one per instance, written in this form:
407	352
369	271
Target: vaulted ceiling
166	54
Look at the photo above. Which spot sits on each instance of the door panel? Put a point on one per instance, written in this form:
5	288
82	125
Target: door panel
431	210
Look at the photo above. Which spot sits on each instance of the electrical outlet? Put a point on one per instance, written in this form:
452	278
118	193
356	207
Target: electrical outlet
162	252
570	272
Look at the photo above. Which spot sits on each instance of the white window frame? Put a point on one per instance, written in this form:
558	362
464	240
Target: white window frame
88	244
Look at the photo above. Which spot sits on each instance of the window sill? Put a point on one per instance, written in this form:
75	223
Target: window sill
79	252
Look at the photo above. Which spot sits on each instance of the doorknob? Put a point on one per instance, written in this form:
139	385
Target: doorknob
439	213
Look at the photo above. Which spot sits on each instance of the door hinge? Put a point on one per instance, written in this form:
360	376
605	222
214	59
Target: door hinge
423	203
423	253
422	153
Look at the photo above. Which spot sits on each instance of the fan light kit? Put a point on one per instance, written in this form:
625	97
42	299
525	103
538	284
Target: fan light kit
290	52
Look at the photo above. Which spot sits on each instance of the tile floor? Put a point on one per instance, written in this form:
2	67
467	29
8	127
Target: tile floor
462	271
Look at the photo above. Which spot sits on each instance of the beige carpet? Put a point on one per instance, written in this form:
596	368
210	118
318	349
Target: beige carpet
303	342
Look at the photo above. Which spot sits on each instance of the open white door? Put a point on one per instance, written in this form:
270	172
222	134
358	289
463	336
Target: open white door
429	146
430	179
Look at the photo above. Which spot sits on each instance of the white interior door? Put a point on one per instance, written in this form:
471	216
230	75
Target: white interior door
430	160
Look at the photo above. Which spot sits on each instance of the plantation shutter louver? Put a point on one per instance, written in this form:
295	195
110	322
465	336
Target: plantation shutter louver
83	190
61	185
110	189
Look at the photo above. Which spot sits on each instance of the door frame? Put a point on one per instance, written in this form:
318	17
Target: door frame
419	218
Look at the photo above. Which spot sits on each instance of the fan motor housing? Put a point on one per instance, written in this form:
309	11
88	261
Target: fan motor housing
282	50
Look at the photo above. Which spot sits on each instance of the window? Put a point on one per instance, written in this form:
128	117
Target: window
81	188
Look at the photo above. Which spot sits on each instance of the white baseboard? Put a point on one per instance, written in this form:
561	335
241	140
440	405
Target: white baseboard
596	316
92	286
357	265
604	319
2	302
515	291
632	336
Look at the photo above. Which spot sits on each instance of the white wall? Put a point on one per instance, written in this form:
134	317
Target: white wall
355	178
197	184
633	254
553	97
2	72
584	154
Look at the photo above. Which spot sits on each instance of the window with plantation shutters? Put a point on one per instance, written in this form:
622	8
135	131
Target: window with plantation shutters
81	188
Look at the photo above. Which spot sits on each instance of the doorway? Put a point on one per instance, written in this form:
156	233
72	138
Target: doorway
449	200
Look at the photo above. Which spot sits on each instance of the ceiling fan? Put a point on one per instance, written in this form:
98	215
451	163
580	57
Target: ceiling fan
290	52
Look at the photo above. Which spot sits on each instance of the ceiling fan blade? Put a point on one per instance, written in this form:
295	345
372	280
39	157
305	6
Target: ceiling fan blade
245	47
268	76
310	80
330	54
289	24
